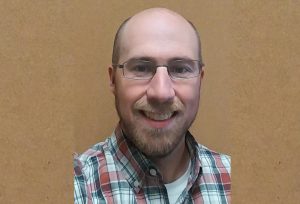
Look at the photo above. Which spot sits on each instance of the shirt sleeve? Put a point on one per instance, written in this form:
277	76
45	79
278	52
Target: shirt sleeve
80	183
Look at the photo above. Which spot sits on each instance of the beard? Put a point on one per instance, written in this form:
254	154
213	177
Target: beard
155	142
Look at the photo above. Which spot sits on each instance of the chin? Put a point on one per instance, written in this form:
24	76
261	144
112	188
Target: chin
154	142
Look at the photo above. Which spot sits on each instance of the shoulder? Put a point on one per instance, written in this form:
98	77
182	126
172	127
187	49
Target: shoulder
211	159
87	171
94	151
89	161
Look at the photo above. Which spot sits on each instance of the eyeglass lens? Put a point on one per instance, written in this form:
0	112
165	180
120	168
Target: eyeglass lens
142	69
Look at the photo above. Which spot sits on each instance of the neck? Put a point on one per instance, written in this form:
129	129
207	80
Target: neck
174	164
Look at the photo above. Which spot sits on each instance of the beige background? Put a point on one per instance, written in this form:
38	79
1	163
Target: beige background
55	99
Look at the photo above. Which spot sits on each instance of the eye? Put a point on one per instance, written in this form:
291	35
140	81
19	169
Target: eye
139	67
181	69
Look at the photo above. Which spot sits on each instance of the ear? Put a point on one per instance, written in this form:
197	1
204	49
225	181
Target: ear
201	75
112	75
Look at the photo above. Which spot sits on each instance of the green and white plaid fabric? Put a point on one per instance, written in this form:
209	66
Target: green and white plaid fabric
115	172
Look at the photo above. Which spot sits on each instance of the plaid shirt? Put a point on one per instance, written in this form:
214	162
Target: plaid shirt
116	172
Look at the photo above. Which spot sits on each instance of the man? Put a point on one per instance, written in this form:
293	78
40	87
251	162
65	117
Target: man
151	157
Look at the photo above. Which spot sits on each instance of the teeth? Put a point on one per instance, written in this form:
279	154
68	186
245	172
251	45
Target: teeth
158	116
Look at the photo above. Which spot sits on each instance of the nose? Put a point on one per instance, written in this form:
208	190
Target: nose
161	88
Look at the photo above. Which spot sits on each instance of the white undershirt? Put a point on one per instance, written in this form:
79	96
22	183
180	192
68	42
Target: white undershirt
175	188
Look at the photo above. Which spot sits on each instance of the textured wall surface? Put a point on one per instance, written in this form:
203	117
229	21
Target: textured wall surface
36	128
55	98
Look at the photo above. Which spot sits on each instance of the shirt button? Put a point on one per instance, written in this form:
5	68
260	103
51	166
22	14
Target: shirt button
152	172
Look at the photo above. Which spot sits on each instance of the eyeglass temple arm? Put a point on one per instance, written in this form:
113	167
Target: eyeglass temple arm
118	66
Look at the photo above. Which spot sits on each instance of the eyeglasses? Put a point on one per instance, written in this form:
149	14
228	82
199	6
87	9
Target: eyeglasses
143	69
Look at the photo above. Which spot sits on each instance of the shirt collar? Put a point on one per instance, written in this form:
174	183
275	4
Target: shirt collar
134	165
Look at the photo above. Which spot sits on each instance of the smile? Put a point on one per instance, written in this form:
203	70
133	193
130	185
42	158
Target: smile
158	116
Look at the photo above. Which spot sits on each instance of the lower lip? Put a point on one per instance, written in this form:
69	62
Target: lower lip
158	123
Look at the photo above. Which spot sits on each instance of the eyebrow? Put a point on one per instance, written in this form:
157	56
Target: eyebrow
152	59
180	58
142	58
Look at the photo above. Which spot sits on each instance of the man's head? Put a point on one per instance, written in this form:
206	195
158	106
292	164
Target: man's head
116	47
156	113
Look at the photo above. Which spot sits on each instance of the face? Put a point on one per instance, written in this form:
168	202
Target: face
155	114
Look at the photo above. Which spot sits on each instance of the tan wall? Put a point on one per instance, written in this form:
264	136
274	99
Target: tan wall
55	99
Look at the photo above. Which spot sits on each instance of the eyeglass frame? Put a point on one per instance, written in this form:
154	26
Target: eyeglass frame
122	66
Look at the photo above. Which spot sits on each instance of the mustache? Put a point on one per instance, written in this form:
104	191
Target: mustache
173	106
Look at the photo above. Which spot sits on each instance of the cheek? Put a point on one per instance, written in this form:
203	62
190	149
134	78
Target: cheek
127	94
189	95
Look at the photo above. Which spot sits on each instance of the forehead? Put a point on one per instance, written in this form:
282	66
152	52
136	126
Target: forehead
158	35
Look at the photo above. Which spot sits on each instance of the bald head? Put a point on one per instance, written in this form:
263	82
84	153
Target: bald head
161	23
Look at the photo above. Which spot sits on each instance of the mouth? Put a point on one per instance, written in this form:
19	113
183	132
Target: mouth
158	120
158	116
